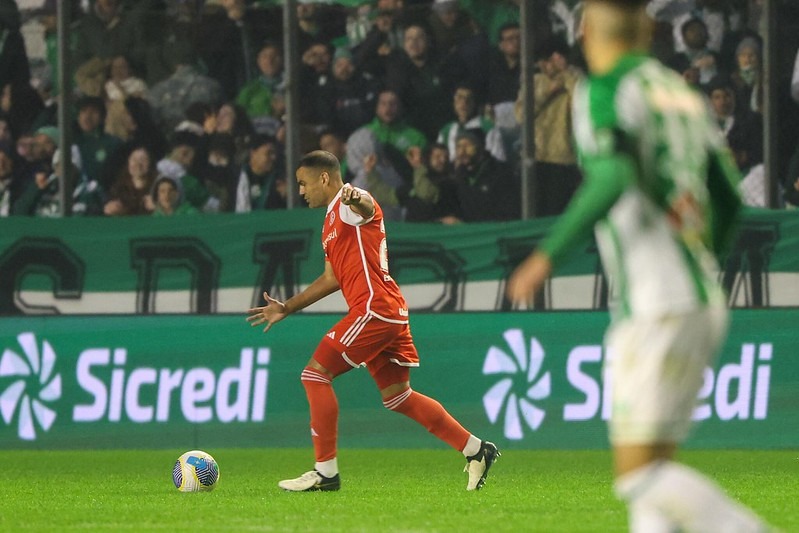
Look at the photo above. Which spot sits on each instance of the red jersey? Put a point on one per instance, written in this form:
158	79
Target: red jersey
356	249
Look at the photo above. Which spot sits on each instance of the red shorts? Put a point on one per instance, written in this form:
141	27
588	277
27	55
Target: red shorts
386	349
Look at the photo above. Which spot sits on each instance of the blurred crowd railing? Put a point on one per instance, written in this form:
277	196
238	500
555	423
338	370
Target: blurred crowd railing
179	106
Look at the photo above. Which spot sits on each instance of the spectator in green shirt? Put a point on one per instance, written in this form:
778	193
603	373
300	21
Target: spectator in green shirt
94	144
167	196
390	128
256	96
179	164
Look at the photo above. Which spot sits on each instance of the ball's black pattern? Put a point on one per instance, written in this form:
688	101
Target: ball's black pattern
177	474
207	470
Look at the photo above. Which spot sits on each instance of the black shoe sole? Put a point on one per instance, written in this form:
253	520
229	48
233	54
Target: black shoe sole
326	488
490	460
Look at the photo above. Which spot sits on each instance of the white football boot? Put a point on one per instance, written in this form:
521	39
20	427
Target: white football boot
311	481
477	465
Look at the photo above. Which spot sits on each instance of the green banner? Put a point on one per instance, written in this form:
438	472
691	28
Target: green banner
526	380
223	263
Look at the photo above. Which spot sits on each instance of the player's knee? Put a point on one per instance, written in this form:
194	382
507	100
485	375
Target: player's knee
316	365
396	402
311	376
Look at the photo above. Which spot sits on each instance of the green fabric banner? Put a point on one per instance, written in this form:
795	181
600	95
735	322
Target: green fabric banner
223	263
526	380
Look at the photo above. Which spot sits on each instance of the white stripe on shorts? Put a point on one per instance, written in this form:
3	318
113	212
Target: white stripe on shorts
352	363
354	330
403	363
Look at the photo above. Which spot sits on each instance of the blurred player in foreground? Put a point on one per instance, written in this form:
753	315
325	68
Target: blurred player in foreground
375	333
659	191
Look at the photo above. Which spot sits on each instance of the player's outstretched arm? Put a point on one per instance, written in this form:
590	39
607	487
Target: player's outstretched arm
606	178
274	311
528	278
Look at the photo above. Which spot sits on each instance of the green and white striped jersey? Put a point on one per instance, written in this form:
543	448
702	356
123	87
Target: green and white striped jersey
659	188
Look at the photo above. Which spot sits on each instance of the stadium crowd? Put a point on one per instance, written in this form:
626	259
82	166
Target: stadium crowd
179	105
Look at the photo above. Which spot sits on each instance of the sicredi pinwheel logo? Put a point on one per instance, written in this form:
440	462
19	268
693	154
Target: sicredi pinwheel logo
28	385
521	383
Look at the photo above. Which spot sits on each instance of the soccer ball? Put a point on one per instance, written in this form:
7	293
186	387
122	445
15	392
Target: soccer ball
195	471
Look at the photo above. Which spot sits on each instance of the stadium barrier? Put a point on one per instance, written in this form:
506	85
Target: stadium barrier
526	380
223	263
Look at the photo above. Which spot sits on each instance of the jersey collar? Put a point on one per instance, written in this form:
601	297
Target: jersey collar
334	200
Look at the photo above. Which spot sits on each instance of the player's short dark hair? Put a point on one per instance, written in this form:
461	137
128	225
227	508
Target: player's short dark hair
320	159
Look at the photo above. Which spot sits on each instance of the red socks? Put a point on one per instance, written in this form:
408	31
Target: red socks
324	413
431	414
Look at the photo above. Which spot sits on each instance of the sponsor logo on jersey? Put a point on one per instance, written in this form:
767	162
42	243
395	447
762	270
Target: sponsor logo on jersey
330	236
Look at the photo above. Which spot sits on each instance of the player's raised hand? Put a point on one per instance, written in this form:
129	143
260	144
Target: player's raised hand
350	195
273	312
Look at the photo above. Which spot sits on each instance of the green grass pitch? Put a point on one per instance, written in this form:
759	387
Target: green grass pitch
382	491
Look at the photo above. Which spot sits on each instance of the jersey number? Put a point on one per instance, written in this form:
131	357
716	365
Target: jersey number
384	256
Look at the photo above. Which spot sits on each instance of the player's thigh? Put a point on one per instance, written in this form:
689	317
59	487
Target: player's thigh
392	365
656	369
352	342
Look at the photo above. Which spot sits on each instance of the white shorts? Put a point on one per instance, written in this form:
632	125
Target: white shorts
657	368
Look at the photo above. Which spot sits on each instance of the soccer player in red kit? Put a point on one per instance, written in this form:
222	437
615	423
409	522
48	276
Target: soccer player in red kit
375	333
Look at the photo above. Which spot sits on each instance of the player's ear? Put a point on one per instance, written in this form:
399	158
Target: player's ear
324	177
